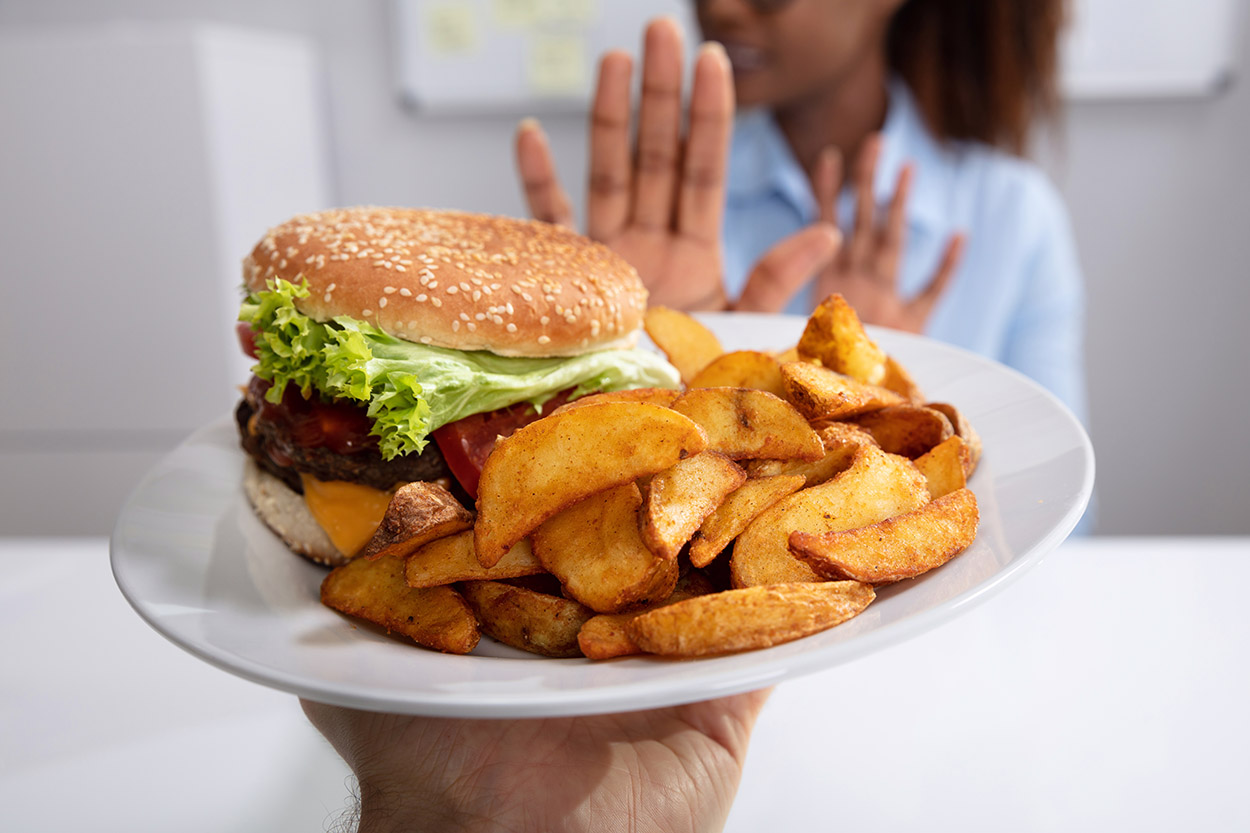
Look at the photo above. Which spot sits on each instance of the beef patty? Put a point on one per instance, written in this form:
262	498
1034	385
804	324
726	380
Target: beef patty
271	444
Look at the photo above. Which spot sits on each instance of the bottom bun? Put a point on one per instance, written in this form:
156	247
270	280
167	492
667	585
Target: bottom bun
285	512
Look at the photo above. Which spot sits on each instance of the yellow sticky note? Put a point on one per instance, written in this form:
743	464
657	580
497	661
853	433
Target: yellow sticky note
558	64
566	11
450	28
515	14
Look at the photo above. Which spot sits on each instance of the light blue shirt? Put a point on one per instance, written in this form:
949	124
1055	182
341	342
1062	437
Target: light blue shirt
1017	294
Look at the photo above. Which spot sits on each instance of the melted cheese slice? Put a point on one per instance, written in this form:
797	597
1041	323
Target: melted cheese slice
348	512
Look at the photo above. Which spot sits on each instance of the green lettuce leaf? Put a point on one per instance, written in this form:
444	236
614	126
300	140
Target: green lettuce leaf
412	389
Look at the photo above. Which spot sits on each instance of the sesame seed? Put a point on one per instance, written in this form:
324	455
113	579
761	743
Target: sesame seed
421	298
455	326
438	302
544	339
545	320
388	290
511	328
366	312
382	302
426	339
472	327
405	291
451	290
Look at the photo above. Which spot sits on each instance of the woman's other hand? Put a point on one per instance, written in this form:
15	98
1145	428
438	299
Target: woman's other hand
659	204
866	269
674	770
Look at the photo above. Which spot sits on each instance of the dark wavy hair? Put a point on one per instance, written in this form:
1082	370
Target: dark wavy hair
980	69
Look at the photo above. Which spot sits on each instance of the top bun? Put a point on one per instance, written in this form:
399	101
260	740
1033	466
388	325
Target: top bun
452	279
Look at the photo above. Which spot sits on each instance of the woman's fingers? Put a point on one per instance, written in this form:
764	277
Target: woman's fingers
924	302
702	194
787	267
545	197
827	182
659	126
607	203
863	235
894	233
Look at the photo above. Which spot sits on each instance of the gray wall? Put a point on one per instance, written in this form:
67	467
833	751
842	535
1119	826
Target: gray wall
1158	190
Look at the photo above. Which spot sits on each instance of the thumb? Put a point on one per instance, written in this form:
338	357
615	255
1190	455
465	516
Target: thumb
787	267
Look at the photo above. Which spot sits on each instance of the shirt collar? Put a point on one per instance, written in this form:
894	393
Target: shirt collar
761	163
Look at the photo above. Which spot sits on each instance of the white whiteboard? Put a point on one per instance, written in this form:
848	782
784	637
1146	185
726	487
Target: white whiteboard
1150	48
533	56
513	55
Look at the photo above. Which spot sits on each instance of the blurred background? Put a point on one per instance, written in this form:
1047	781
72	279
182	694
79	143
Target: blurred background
145	145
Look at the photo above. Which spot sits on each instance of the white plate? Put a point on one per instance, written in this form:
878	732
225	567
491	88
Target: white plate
196	564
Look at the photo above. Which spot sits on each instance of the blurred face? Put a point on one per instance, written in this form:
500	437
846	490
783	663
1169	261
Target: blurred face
783	51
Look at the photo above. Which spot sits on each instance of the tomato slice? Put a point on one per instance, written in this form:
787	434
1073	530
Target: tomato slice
466	443
247	339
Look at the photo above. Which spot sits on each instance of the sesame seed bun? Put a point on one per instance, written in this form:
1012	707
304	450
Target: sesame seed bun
452	279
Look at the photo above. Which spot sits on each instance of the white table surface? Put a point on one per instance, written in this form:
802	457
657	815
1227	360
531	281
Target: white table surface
1105	690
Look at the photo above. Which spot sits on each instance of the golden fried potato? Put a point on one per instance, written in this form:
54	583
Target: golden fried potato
743	423
896	548
840	439
742	620
876	486
742	369
653	396
963	430
417	514
820	393
897	379
605	636
679	499
560	459
527	619
908	430
595	549
835	337
736	512
688	345
453	559
375	590
944	467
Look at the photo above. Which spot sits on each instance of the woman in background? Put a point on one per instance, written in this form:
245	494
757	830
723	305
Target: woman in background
946	230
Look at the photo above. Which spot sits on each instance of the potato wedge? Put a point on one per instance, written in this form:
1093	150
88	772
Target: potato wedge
653	396
907	430
963	430
746	619
743	424
944	467
840	440
604	636
417	514
835	336
688	345
679	499
896	548
452	559
595	549
736	512
820	393
526	619
742	369
375	590
561	459
876	486
897	379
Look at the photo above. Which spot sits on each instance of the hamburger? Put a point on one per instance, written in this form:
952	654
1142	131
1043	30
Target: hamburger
395	345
